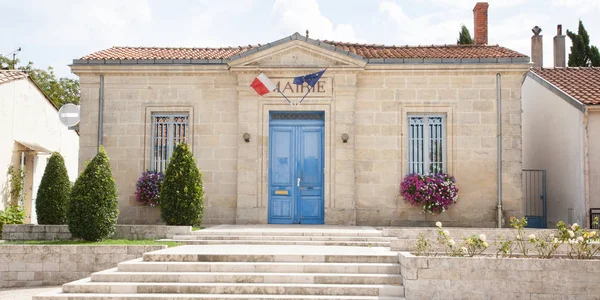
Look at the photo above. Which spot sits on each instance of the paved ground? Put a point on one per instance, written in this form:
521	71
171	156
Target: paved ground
23	293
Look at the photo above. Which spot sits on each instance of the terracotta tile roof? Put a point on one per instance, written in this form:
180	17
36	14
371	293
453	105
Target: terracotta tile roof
10	75
582	84
364	50
431	51
167	53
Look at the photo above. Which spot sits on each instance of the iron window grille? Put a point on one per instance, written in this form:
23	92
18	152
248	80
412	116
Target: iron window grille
426	146
167	131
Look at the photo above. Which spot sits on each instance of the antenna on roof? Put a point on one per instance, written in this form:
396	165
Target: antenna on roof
14	60
306	35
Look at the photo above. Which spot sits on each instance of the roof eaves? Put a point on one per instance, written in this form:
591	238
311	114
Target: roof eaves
557	91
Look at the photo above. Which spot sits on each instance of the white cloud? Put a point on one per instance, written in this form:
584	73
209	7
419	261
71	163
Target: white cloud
291	16
433	28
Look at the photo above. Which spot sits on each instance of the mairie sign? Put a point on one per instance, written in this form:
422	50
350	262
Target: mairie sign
323	88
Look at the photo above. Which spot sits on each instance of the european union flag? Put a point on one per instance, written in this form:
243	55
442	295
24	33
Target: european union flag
310	79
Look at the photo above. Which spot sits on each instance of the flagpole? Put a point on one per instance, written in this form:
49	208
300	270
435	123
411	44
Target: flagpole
286	98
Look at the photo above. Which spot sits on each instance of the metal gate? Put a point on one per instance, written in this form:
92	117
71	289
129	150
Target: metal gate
534	192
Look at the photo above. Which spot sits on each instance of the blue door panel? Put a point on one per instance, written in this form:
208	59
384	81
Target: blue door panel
296	172
281	175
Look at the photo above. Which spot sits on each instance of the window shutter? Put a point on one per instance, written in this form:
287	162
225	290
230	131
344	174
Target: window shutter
167	132
426	148
415	142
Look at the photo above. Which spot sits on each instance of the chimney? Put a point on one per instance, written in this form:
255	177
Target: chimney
537	48
559	48
480	16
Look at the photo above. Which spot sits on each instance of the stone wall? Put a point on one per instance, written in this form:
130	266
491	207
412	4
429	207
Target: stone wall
492	278
466	96
130	99
38	265
61	232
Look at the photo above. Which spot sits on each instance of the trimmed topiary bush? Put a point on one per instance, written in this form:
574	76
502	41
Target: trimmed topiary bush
93	209
54	192
182	194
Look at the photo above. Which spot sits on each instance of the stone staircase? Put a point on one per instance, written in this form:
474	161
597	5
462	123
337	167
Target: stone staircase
285	235
253	262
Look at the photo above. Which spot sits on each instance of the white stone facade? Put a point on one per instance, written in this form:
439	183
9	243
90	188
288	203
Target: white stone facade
30	131
369	102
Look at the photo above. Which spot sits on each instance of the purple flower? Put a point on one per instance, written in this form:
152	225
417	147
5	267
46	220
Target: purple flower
148	188
434	193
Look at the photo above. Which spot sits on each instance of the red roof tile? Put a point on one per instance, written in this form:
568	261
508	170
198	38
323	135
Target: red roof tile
364	50
10	75
431	51
582	84
166	53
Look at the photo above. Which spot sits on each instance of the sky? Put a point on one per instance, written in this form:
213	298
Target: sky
53	33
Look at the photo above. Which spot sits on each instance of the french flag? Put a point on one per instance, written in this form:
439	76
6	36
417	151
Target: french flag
262	84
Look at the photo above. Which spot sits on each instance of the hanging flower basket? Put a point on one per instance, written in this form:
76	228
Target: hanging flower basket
148	188
434	193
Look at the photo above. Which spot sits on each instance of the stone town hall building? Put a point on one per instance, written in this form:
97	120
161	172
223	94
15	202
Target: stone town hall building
403	109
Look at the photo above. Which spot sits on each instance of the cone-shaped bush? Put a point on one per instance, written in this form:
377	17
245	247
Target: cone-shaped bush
53	194
182	193
93	209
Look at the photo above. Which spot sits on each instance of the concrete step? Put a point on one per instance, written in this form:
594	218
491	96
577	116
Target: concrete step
283	237
59	295
87	286
276	253
291	230
137	265
112	275
280	242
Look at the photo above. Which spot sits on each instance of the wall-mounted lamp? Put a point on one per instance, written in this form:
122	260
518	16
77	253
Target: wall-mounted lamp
345	137
246	137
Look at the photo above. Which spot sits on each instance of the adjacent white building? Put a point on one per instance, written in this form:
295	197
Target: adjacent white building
561	135
30	131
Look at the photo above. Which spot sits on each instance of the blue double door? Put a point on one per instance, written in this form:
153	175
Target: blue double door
296	168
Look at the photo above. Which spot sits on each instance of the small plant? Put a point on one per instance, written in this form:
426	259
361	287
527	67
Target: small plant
17	185
433	193
474	245
545	244
182	194
519	242
424	246
148	188
583	243
53	194
93	208
504	247
12	215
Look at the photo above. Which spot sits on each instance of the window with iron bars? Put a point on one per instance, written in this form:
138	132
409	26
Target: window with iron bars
167	131
426	144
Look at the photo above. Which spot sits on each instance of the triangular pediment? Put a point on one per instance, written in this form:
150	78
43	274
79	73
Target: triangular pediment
297	53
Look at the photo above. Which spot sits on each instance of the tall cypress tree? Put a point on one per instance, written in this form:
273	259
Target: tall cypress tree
93	209
464	36
182	193
54	192
582	54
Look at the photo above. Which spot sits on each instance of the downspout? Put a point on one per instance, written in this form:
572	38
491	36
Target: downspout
21	200
499	96
100	111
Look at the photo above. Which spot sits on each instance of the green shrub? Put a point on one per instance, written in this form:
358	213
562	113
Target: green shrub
54	192
12	215
93	208
182	193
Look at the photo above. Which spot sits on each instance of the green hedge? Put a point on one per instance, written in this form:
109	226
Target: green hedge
53	194
93	209
182	193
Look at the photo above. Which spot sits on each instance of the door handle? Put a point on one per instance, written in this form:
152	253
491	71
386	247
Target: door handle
298	182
